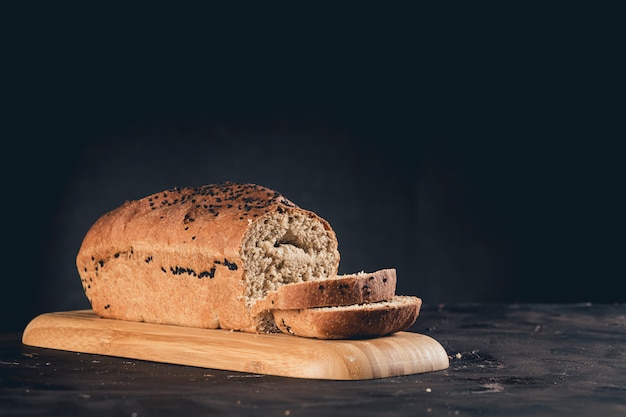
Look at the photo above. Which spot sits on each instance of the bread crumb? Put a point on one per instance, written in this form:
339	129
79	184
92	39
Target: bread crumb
429	390
458	356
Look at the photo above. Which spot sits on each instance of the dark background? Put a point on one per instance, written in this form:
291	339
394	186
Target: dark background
473	149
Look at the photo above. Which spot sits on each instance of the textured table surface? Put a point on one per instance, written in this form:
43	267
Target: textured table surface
514	360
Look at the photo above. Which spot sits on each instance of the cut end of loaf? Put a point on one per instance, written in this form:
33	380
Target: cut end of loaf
284	247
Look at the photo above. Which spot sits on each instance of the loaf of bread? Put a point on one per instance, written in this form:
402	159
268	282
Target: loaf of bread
202	256
233	256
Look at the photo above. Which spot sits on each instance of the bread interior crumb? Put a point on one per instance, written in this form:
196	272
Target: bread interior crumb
288	247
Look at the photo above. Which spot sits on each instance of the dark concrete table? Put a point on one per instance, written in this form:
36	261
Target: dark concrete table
514	360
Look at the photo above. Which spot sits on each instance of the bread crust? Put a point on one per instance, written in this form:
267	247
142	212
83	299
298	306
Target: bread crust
175	257
350	322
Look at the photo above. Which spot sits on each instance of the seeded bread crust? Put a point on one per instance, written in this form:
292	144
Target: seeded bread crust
177	257
351	322
341	290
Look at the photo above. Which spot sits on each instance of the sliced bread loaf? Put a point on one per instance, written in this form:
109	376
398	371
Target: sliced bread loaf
202	256
233	256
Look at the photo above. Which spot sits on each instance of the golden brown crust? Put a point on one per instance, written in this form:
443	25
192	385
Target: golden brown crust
355	321
175	256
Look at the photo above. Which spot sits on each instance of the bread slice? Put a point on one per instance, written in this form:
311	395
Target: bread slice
350	322
340	290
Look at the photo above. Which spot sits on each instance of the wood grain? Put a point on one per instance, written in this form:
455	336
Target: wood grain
402	353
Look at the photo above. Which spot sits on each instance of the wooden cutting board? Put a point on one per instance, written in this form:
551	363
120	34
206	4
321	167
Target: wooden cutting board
402	353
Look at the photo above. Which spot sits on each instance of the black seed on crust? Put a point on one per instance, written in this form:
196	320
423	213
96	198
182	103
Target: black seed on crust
230	265
210	273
